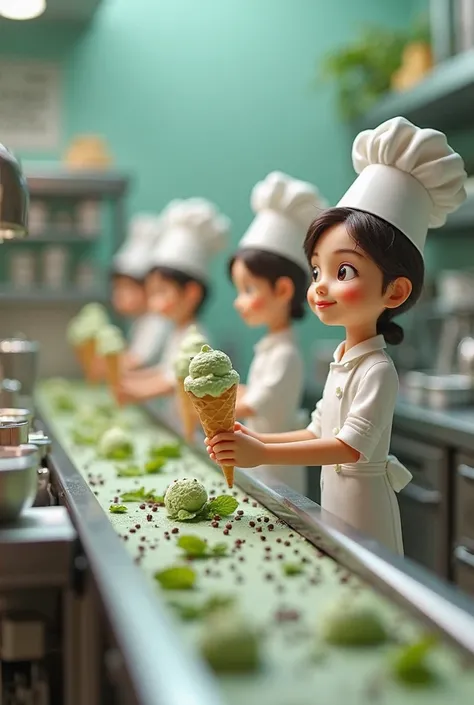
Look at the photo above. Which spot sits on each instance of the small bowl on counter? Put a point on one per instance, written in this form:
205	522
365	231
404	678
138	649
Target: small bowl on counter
18	479
439	392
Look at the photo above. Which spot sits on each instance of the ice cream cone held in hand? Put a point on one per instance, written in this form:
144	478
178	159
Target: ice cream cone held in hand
81	334
212	387
111	346
190	347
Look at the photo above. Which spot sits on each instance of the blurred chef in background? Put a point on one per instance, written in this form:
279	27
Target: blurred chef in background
177	286
148	330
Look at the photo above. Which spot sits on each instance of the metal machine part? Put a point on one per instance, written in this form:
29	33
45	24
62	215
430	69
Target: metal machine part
13	433
41	595
19	361
18	479
13	198
10	390
13	415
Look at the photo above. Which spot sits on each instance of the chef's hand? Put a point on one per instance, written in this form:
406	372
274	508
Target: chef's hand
132	390
239	449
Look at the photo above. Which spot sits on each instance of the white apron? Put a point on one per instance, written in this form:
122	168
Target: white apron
147	337
357	407
274	390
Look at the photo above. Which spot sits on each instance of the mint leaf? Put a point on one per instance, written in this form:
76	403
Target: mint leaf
176	578
183	515
193	546
129	471
410	665
192	612
155	465
292	569
123	453
155	498
117	509
219	549
188	613
134	495
223	505
166	451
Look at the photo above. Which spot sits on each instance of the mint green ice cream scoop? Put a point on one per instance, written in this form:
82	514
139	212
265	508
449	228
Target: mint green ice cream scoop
210	373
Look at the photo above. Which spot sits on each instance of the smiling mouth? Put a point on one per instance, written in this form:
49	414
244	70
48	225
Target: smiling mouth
324	304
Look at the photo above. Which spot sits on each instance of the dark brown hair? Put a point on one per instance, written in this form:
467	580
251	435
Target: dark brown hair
392	252
182	280
272	267
116	274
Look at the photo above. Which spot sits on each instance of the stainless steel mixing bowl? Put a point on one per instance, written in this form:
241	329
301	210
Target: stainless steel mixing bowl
18	479
17	416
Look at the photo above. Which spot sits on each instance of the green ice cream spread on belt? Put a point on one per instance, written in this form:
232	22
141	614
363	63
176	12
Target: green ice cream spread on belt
210	373
190	347
305	637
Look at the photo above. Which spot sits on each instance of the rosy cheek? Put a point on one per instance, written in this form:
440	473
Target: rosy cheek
352	293
257	303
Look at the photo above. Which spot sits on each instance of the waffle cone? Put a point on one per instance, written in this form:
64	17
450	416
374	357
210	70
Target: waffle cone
187	412
113	369
86	356
217	415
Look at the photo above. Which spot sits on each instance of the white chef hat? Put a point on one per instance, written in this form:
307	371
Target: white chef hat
133	258
408	176
284	208
193	232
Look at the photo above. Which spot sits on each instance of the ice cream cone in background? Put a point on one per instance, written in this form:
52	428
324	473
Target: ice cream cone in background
111	346
190	347
212	386
85	353
81	334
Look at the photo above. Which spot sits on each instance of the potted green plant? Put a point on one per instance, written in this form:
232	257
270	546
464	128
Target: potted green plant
364	68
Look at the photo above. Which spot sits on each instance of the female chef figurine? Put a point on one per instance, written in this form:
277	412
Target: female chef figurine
270	273
130	266
177	285
366	257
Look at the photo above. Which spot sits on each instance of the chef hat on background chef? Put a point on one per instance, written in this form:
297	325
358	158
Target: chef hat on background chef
133	257
193	231
284	208
408	176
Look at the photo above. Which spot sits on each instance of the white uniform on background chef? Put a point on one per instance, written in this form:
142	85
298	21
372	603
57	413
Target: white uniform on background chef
269	256
178	284
130	265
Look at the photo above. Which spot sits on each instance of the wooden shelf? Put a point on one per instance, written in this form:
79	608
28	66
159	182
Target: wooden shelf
41	296
76	183
444	100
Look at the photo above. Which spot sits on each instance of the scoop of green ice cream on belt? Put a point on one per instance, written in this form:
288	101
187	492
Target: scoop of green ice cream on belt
190	347
210	373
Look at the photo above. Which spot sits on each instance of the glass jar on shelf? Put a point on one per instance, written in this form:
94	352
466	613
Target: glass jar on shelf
54	267
22	269
88	217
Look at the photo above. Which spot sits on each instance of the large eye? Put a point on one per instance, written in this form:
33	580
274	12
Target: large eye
315	273
346	272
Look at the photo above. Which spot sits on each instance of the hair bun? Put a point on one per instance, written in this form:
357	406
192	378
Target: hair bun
391	331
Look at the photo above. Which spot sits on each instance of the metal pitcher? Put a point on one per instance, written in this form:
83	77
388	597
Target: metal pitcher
19	361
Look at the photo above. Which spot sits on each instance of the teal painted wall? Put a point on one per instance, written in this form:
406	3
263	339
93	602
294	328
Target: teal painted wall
204	97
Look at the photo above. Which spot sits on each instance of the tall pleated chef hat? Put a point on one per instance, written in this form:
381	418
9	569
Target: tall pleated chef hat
285	208
408	176
193	232
133	257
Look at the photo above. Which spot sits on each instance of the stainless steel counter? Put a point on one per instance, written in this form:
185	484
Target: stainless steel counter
154	666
